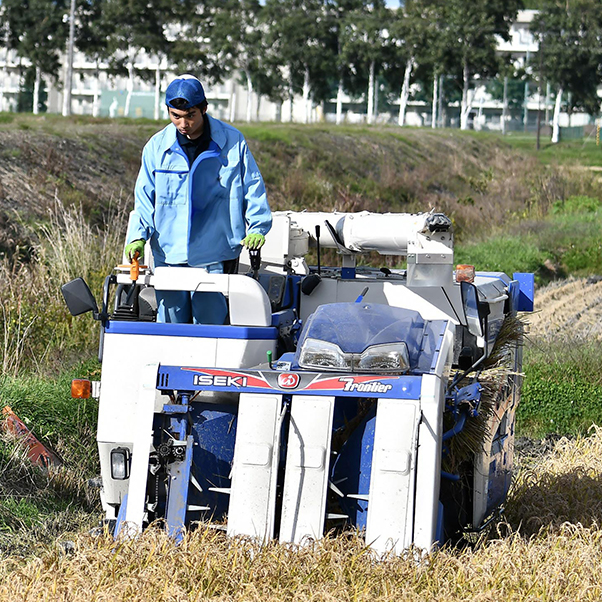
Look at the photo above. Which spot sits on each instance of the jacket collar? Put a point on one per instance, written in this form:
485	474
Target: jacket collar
217	131
218	135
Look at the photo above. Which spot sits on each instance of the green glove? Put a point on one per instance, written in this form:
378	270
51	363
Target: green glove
135	245
253	241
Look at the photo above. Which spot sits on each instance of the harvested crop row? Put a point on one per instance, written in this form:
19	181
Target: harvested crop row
569	306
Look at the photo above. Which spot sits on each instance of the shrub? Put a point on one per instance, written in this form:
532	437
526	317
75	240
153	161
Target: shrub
576	204
38	333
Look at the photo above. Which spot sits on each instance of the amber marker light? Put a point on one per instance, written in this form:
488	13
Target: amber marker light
465	273
81	388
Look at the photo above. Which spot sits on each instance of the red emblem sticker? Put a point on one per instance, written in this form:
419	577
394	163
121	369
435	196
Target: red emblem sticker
288	380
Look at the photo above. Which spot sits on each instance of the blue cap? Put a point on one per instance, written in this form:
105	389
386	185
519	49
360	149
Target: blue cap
187	87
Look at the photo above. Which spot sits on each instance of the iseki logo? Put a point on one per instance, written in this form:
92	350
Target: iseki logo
209	380
288	380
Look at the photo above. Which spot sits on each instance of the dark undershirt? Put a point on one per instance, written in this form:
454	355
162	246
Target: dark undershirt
193	148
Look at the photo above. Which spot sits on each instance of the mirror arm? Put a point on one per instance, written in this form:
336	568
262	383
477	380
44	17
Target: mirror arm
104	315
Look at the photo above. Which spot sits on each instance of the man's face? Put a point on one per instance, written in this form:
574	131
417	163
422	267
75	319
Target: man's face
189	121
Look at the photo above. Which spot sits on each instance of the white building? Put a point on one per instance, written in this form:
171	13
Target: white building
106	96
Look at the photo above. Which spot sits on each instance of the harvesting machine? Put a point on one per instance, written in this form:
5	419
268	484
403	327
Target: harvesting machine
334	397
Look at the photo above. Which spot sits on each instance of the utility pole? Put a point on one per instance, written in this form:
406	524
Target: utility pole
69	73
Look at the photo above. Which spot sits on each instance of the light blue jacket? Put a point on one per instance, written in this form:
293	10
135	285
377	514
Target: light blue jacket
198	214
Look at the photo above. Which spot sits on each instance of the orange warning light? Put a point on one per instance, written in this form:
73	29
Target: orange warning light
465	273
81	388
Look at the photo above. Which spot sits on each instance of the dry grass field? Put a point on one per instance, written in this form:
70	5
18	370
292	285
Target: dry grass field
548	548
573	305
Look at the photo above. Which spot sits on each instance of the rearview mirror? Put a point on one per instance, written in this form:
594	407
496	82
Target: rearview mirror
470	304
79	297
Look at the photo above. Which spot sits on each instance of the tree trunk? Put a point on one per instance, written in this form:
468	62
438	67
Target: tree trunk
405	92
340	102
96	98
440	112
249	95
290	93
505	106
129	88
36	92
526	107
370	115
466	100
306	97
435	98
69	72
556	118
375	100
258	107
232	103
157	111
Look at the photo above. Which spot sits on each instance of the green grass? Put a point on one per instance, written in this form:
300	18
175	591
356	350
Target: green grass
38	505
268	133
503	253
566	242
45	405
562	389
582	152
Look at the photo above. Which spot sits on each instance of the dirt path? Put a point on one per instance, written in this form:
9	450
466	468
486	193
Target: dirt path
569	306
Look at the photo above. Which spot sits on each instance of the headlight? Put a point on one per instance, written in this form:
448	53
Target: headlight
384	358
322	355
120	463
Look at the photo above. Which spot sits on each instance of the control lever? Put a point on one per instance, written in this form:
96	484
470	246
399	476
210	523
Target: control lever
255	257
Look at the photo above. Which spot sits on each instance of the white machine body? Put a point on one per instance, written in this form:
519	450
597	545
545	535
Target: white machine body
280	476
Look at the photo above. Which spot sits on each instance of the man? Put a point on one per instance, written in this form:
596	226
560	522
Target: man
199	196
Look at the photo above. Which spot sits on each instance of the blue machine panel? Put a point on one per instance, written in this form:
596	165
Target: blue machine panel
192	330
527	290
180	378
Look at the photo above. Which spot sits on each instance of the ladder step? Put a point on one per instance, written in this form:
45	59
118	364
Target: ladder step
192	508
331	516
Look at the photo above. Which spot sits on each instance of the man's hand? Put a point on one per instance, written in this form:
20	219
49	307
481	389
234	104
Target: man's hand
133	247
253	241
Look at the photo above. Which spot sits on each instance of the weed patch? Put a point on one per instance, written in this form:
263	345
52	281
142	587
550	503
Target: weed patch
503	254
566	242
562	389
